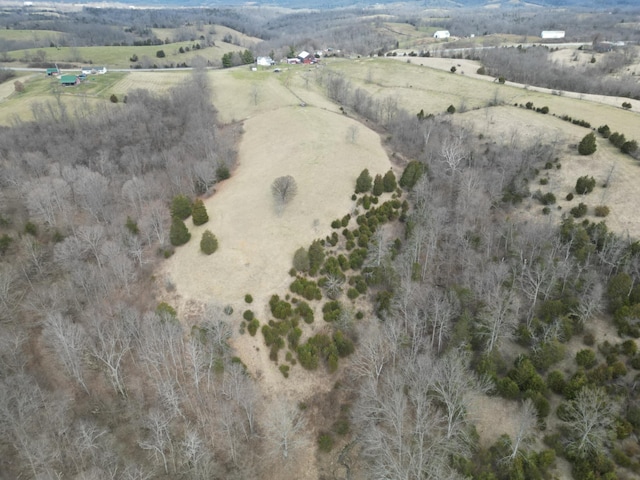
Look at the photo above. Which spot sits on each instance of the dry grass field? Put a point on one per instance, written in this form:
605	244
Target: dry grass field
256	243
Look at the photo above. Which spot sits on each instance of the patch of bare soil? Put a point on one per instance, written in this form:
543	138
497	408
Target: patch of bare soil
493	417
256	243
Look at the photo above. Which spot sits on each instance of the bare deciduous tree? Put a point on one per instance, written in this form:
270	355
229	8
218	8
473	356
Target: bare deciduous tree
284	189
286	430
525	434
69	342
589	419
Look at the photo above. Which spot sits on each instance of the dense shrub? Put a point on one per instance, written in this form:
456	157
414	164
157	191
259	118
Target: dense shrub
248	298
601	211
331	311
364	182
507	388
548	199
556	382
222	173
579	211
617	139
178	234
208	243
378	186
343	344
585	185
389	181
304	311
306	288
411	174
181	207
629	147
199	213
586	358
247	315
325	442
308	356
604	130
252	326
301	260
280	309
316	257
587	145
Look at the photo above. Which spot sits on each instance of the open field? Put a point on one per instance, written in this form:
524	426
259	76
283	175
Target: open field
119	57
41	89
215	32
256	243
40	38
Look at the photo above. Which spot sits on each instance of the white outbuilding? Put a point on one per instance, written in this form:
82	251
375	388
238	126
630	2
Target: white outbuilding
552	34
442	34
265	61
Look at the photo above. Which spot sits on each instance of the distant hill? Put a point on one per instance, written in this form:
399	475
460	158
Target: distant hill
328	4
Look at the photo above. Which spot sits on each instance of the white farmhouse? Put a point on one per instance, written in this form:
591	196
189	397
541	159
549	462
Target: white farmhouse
265	61
442	34
552	34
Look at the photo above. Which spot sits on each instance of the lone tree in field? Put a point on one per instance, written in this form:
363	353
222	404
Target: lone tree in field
588	145
208	243
199	213
283	190
179	235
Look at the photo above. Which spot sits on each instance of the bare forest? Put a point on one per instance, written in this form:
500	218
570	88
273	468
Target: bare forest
462	297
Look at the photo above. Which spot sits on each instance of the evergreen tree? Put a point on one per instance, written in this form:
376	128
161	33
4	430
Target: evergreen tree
411	174
247	57
389	181
181	207
227	60
378	186
208	243
179	235
199	212
588	145
363	183
629	147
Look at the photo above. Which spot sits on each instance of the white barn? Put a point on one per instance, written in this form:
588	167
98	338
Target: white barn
442	34
552	34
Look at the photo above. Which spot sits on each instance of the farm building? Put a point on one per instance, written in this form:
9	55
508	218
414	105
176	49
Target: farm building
69	80
304	57
442	34
265	61
51	72
86	70
552	34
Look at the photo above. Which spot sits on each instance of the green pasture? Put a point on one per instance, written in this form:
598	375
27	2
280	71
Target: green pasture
38	88
39	37
120	56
